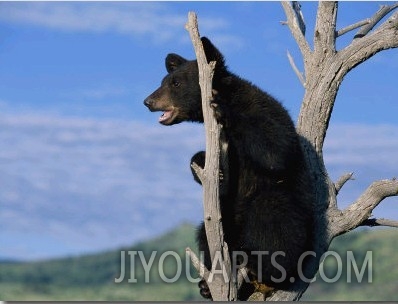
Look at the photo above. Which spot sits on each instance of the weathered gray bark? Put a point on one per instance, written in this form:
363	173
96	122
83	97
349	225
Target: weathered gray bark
221	285
324	70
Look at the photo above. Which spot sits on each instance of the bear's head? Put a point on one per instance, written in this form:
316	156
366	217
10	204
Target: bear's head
178	96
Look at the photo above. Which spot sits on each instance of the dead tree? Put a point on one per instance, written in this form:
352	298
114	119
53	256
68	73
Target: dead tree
324	70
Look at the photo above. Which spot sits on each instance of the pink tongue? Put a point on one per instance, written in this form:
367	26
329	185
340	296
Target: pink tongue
166	115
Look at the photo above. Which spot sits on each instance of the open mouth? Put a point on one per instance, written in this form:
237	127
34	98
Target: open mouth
168	116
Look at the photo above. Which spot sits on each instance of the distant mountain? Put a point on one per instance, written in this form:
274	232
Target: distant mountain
92	277
8	261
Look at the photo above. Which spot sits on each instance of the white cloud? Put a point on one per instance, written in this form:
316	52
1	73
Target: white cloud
133	18
68	177
360	144
370	152
139	19
86	185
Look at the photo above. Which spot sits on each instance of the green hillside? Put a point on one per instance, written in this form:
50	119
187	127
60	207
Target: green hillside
92	277
382	243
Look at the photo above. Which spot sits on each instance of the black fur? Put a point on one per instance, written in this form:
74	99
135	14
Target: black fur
268	206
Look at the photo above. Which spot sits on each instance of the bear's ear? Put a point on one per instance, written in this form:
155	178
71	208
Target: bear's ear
173	61
212	53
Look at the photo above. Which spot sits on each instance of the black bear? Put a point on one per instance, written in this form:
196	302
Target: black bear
268	209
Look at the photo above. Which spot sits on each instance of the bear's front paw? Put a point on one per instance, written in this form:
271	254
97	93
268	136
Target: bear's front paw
218	107
218	112
204	289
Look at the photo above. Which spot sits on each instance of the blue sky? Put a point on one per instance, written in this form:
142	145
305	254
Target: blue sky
84	166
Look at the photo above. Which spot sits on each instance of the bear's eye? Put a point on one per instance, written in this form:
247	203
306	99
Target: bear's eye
176	83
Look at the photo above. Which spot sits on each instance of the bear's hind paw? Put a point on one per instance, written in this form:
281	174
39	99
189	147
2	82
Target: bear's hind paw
204	289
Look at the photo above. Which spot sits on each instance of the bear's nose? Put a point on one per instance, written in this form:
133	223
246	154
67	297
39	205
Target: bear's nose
148	102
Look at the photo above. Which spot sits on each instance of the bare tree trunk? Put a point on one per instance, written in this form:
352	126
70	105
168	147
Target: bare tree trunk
220	281
324	70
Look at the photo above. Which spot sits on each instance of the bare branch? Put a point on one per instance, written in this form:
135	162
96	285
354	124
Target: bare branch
369	23
326	72
200	268
212	211
242	276
379	222
295	69
384	37
352	27
220	288
232	285
325	27
362	208
372	196
198	170
383	11
294	26
299	15
342	180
